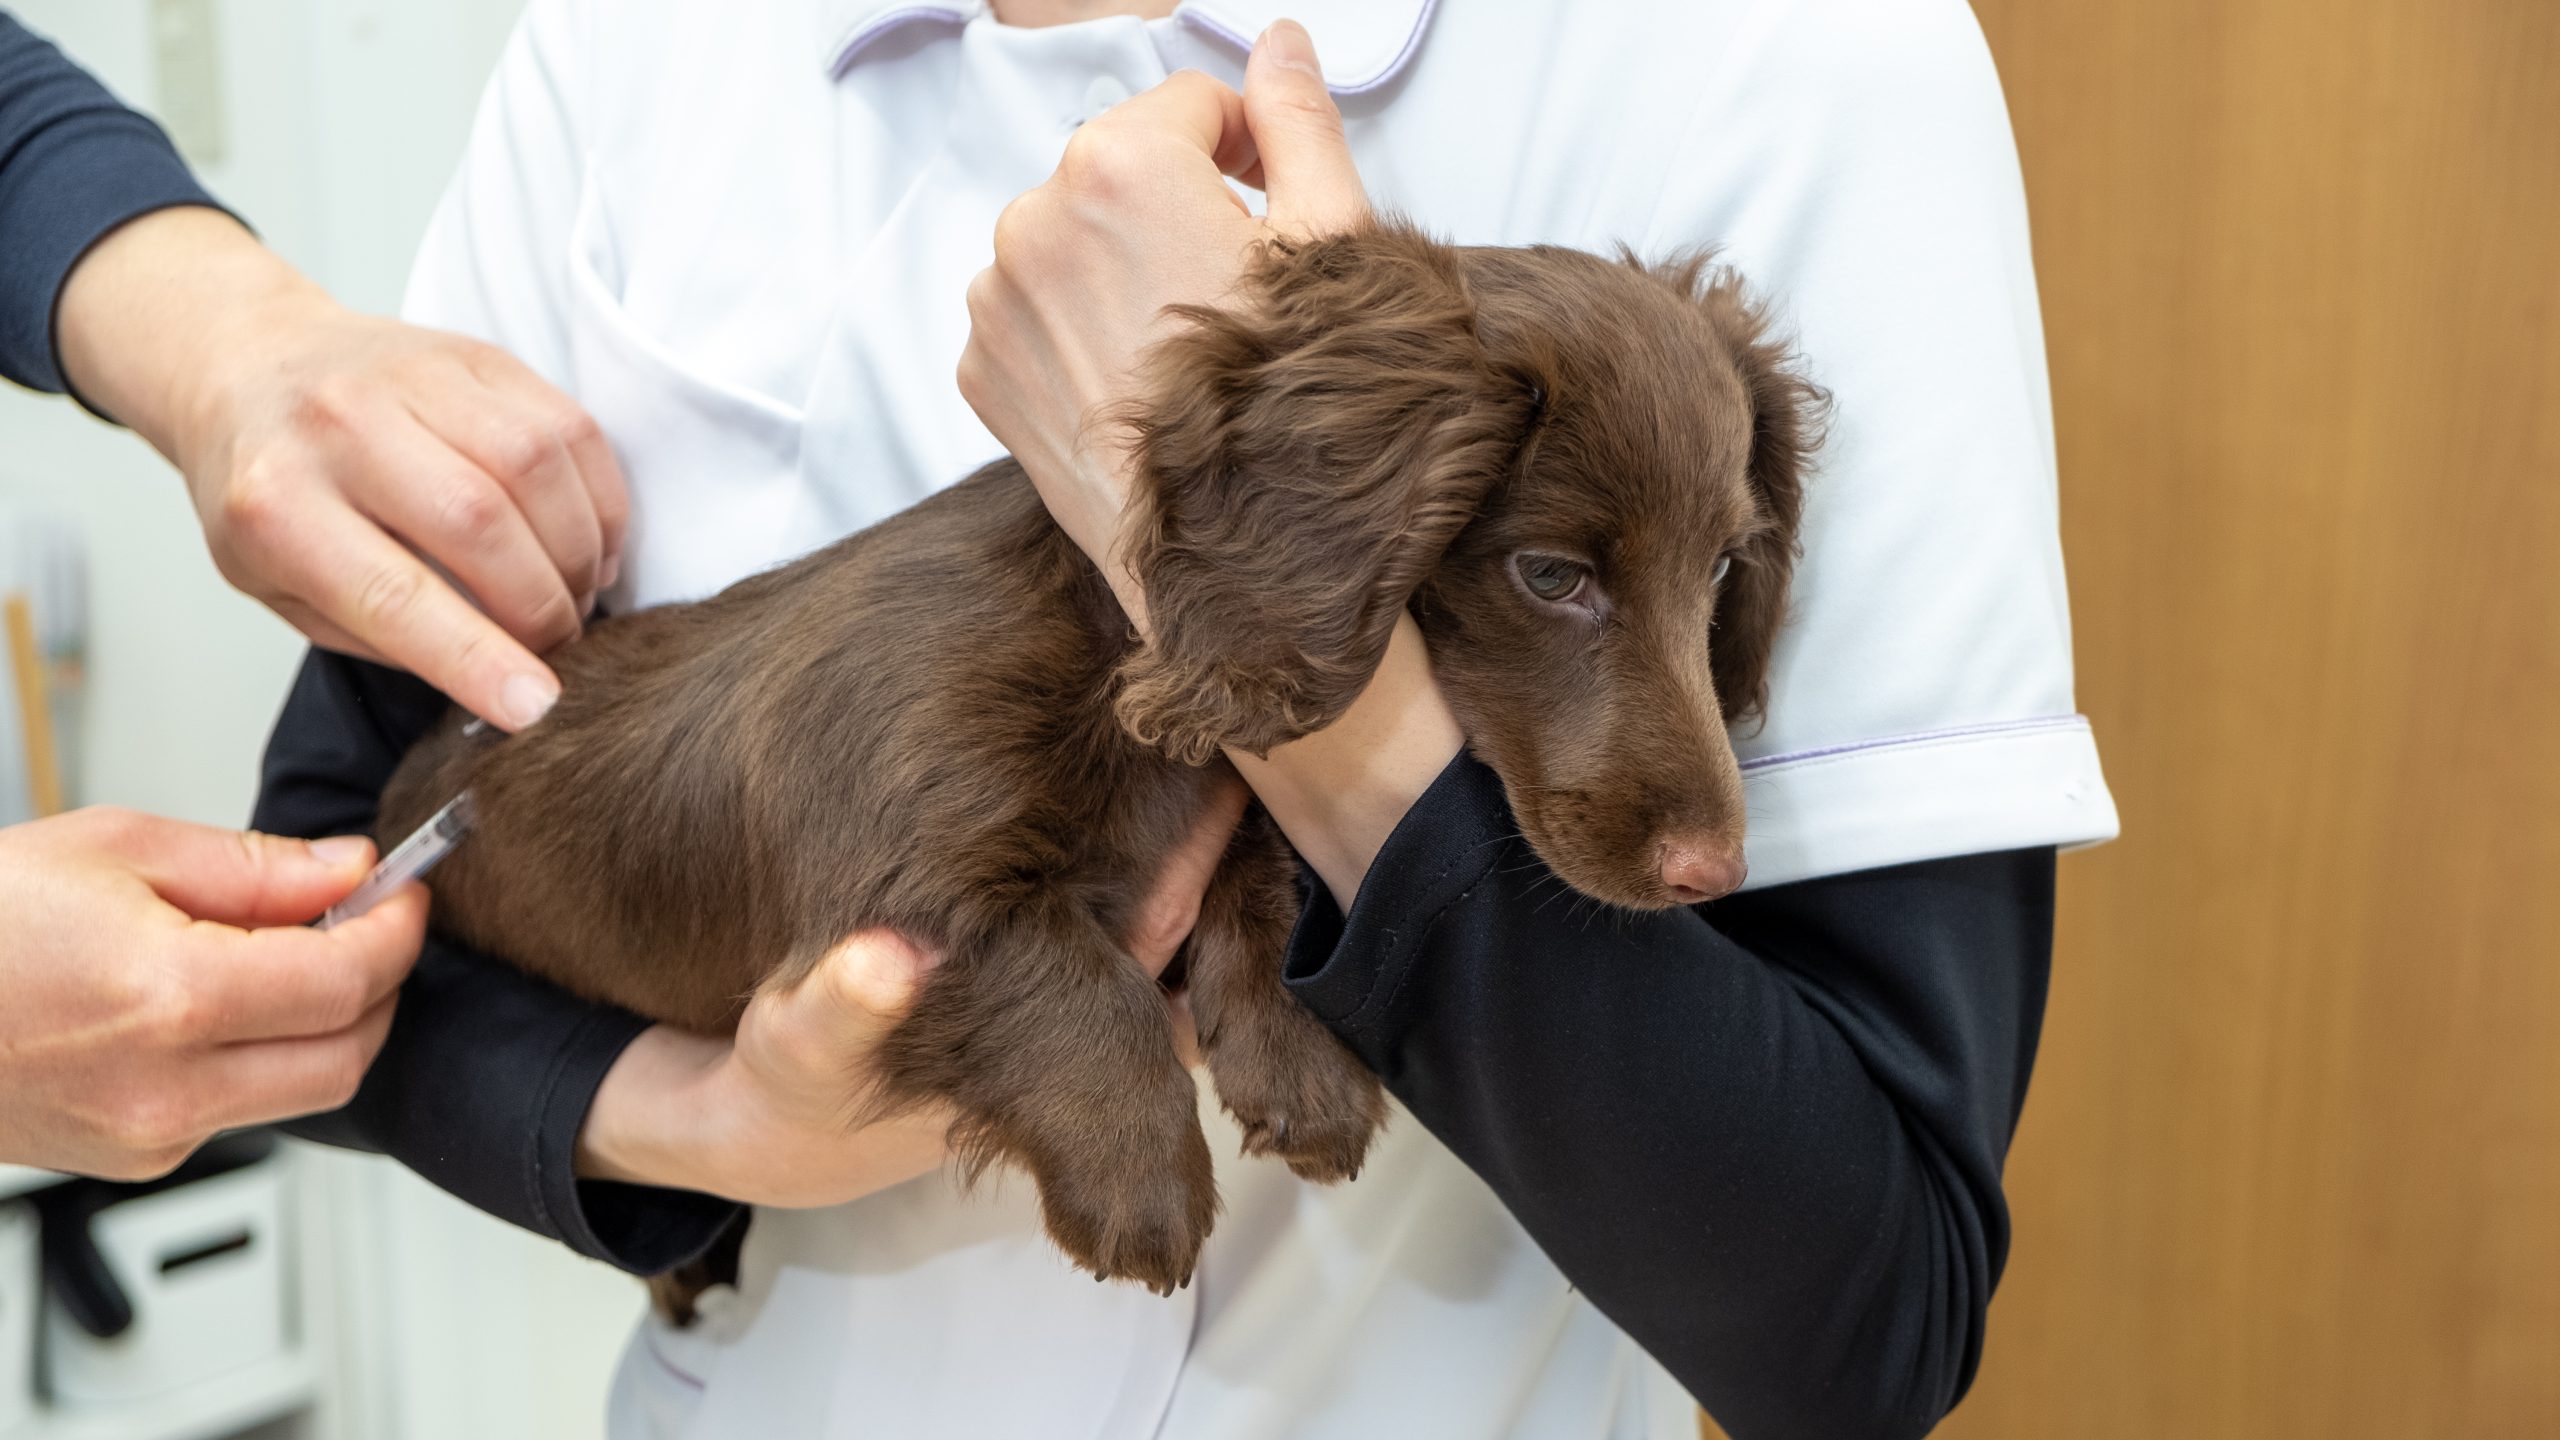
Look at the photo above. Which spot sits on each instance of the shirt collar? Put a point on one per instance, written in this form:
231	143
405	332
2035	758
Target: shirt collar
1363	43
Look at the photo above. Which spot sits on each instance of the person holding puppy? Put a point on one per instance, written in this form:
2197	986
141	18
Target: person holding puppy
1747	1152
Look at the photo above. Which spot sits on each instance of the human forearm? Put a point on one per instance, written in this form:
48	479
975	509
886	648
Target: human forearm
154	301
1339	793
648	1100
1764	1138
159	282
75	164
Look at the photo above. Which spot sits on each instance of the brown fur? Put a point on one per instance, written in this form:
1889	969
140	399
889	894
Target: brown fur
942	723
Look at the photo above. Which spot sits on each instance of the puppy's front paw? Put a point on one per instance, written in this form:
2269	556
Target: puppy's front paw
1310	1103
1135	1221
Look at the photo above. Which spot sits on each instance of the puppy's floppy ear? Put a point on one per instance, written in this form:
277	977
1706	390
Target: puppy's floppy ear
1788	413
1308	458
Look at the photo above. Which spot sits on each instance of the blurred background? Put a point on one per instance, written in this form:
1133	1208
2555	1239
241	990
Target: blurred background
2291	1164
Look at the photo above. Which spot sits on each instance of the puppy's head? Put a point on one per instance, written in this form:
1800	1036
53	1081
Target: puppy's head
1583	477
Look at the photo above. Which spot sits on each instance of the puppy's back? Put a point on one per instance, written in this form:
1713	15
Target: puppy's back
864	736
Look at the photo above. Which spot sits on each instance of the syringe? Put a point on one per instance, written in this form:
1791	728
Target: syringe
409	860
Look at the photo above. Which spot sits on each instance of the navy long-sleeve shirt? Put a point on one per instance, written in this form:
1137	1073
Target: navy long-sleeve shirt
74	164
1763	1135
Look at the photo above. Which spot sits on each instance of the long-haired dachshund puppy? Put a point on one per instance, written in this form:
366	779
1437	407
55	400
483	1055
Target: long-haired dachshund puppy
1582	476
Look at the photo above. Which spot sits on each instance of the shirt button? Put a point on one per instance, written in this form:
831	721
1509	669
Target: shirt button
1105	92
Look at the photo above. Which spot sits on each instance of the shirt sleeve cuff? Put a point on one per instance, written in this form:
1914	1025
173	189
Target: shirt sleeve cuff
109	169
1350	969
482	1088
1892	800
642	1229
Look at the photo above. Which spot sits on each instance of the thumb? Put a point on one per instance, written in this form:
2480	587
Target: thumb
1307	173
242	878
864	987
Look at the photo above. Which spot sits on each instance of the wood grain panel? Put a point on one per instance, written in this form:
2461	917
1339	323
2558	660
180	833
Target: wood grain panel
2292	1162
2291	1166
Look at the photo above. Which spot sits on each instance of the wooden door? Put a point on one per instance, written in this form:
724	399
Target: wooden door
2291	1164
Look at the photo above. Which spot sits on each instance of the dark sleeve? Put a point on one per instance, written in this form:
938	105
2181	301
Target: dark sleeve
488	1072
1764	1136
74	164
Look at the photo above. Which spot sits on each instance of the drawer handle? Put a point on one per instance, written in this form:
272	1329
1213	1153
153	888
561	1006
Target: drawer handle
212	1250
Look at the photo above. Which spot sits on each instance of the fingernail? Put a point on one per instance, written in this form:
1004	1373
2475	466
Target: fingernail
340	852
1289	47
526	699
612	572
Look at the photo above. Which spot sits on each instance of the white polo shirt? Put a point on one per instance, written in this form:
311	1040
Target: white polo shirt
741	235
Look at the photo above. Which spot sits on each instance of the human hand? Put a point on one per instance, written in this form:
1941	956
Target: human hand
333	455
774	1116
143	1014
1137	218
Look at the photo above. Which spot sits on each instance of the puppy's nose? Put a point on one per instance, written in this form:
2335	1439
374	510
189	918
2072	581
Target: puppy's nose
1693	872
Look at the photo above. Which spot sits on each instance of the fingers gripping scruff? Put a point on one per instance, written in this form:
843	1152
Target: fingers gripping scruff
162	987
1139	219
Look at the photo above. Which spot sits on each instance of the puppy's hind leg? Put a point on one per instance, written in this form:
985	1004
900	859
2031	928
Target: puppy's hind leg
1299	1093
1056	1051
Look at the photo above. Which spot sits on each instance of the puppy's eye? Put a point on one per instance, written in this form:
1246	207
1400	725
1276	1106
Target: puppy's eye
1724	563
1553	578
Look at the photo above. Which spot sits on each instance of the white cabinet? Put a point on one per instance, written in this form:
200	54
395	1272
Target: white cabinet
203	1266
290	1386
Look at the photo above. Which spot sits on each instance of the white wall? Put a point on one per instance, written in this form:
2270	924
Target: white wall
343	120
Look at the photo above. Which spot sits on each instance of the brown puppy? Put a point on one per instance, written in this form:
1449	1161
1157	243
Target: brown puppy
1581	475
